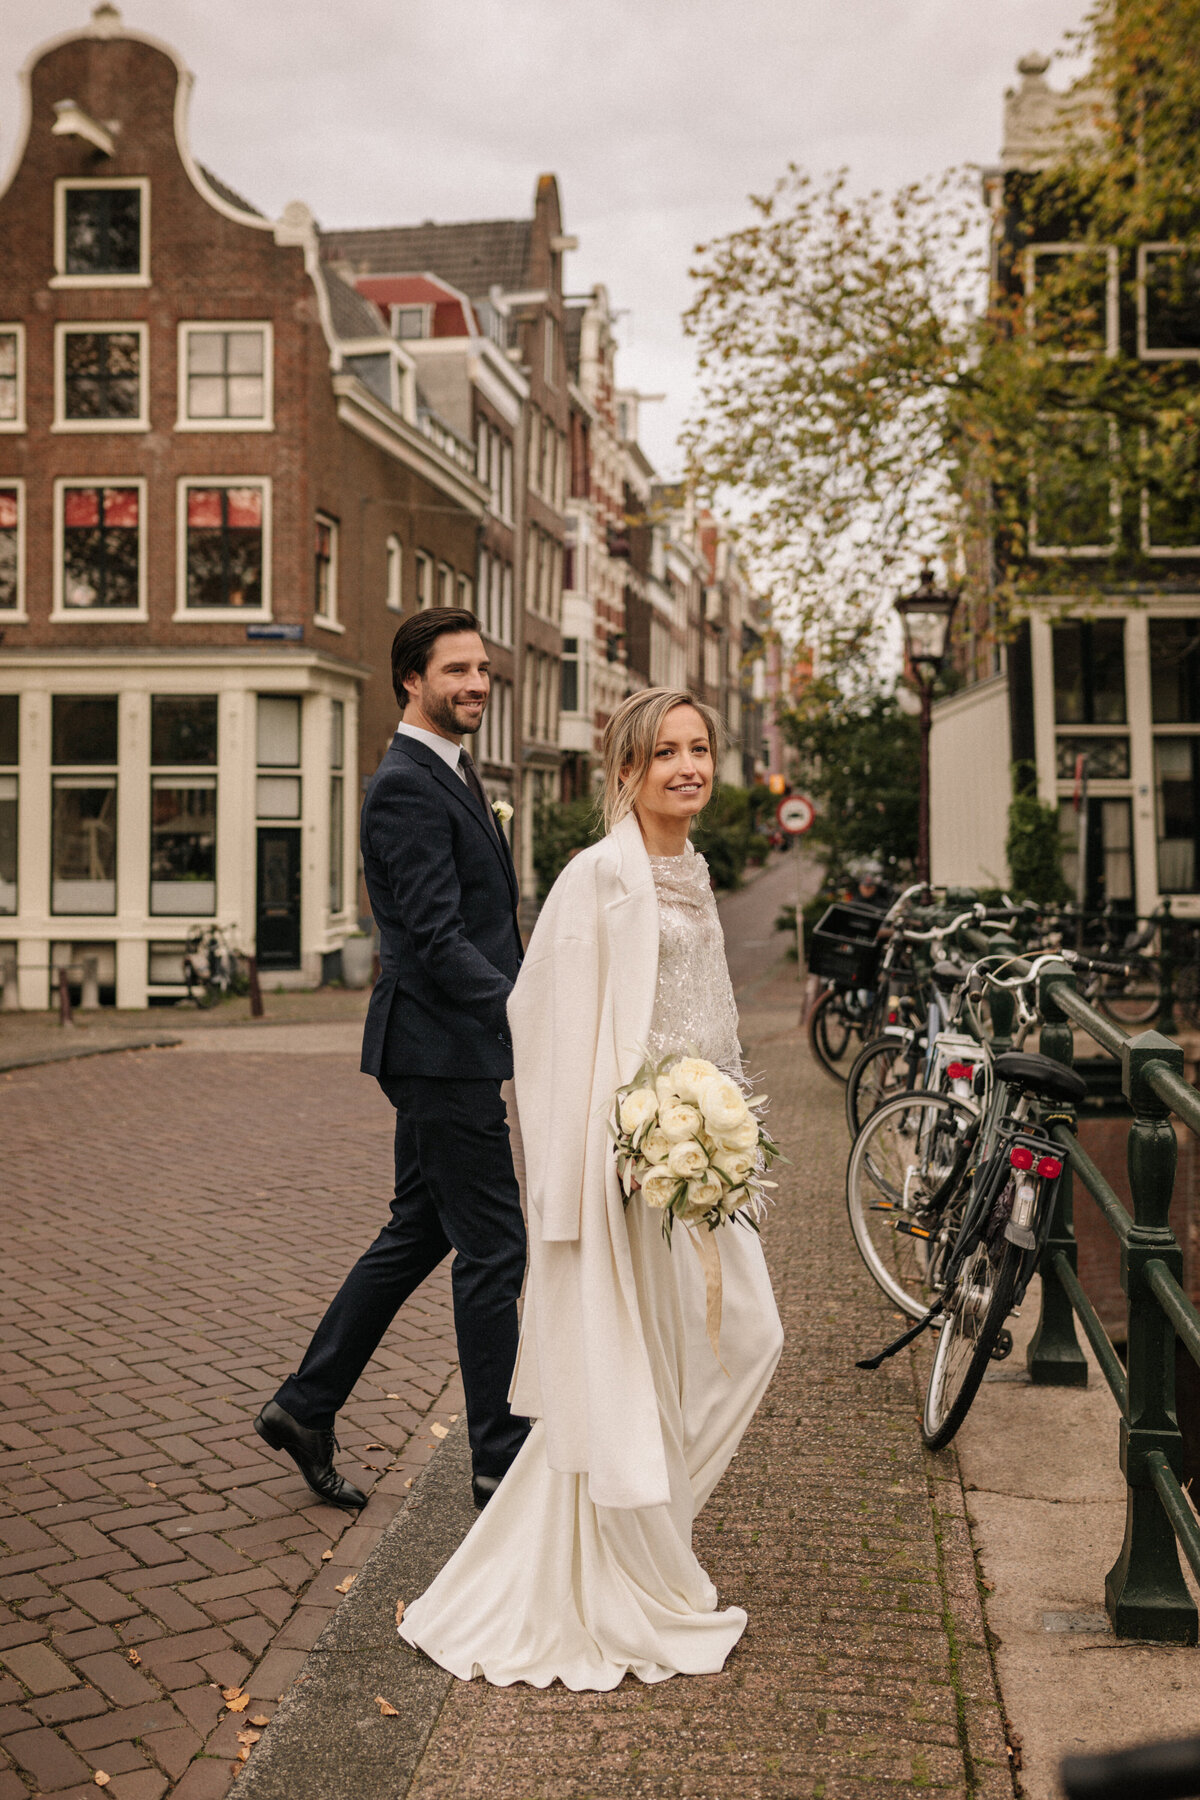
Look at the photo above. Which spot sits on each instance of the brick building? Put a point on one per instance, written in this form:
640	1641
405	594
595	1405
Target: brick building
511	273
215	489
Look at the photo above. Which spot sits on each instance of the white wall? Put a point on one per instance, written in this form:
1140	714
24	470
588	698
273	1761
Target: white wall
970	786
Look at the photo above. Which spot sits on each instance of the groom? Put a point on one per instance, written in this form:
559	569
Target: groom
444	894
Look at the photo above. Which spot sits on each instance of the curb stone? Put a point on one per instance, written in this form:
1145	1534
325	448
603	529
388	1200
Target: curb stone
328	1738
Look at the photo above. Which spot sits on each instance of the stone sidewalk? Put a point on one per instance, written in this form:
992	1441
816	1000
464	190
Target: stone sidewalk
865	1670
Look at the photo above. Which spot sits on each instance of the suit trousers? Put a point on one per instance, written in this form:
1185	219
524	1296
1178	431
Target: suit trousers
455	1190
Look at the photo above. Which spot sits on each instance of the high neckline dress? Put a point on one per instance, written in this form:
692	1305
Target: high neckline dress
547	1586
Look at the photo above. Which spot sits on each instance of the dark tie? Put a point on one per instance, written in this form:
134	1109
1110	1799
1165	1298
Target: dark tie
476	786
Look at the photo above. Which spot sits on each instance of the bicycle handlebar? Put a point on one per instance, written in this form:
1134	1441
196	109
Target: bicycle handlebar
1161	1771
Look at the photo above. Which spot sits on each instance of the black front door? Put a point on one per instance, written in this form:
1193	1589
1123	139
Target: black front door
278	897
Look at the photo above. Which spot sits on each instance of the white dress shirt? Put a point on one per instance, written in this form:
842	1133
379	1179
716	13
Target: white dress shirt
446	748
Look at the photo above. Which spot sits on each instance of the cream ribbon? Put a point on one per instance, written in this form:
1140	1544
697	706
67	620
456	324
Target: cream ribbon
706	1247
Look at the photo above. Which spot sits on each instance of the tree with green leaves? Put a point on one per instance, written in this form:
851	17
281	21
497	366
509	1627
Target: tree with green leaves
859	759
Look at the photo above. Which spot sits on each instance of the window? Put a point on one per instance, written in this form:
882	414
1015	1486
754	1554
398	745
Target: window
83	840
337	805
570	675
1175	671
100	379
325	570
378	373
1107	757
225	377
99	566
1075	498
1089	672
101	233
1108	849
1171	496
465	596
183	730
278	750
12	549
535	448
485	604
506	479
183	845
395	574
9	757
223	543
506	629
445	585
1072	299
550	342
410	321
424	580
12	378
482	445
1177	791
1168	302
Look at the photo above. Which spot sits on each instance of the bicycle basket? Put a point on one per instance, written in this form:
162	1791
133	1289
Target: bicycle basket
845	946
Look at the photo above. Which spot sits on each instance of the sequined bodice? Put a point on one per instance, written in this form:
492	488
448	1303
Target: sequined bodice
694	1008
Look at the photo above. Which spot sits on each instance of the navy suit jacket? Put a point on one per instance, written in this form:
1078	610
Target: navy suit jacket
444	894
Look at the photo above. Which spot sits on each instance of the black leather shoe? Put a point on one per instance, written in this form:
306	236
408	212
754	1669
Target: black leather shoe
482	1489
312	1453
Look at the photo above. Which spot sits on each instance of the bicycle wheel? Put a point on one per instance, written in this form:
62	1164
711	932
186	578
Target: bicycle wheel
879	1072
830	1033
904	1192
1132	999
204	991
976	1308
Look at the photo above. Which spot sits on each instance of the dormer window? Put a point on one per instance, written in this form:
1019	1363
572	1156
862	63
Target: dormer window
410	321
101	233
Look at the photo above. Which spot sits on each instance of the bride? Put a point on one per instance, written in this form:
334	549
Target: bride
581	1567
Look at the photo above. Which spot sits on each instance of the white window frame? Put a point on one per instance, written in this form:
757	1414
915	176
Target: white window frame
18	331
394	564
465	596
1151	549
60	279
396	307
253	615
329	621
445	584
184	422
1111	294
101	615
1146	354
425	568
18	613
483	583
1114	512
105	328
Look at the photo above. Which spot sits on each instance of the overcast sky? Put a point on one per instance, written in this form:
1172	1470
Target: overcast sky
657	116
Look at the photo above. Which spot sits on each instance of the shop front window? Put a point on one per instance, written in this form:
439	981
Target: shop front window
83	866
183	730
183	845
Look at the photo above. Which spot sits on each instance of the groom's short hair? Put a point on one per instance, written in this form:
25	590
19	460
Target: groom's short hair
415	638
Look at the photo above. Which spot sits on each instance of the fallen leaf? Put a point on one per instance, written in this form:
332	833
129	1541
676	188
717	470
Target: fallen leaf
240	1704
343	1587
989	1587
375	1447
244	1753
101	1779
133	1657
230	1693
453	1416
439	1431
409	1482
395	1396
260	1719
399	1612
327	1556
152	1484
248	1737
386	1707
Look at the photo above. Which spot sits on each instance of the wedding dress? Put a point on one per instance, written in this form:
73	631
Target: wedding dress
547	1585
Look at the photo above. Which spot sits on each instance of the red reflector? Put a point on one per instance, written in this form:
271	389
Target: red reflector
1049	1168
1021	1156
893	1017
957	1072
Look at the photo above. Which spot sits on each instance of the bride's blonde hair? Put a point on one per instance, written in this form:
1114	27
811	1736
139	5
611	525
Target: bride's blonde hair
629	740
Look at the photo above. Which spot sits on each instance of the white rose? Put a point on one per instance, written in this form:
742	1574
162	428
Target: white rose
655	1146
664	1087
722	1103
658	1187
737	1164
702	1196
502	810
687	1160
687	1075
637	1109
743	1136
678	1121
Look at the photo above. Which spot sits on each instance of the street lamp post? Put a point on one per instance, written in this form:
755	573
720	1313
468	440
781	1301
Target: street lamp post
925	616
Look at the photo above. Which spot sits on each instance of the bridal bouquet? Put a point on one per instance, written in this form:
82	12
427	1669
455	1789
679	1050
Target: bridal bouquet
689	1139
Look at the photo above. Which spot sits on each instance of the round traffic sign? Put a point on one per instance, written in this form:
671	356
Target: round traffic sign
795	814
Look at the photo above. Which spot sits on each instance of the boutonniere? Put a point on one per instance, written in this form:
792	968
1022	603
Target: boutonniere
502	810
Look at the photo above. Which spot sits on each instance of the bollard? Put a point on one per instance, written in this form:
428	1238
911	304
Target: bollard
89	998
256	999
10	990
1145	1591
64	996
1054	1358
1166	1012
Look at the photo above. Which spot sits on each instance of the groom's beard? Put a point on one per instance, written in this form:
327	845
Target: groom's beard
449	717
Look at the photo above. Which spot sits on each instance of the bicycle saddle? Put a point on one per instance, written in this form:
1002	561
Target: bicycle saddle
1039	1075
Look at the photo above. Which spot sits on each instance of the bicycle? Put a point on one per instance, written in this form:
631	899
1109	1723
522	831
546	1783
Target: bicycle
212	966
855	950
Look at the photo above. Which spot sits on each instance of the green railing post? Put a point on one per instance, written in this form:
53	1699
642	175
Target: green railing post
1002	1005
1166	1012
1145	1591
1054	1358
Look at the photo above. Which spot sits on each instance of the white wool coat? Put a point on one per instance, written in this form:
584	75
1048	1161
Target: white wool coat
580	1016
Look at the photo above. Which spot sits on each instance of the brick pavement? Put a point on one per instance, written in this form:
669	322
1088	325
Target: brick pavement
865	1669
174	1225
